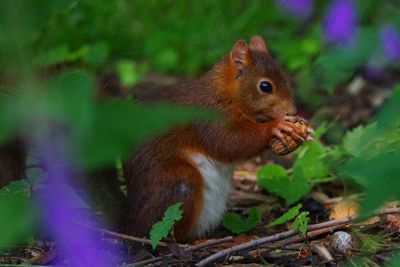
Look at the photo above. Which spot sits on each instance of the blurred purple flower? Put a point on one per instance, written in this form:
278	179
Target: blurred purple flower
78	245
301	9
340	23
390	39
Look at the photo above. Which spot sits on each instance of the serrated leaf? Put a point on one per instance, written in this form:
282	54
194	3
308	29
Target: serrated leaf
290	214
310	160
378	175
274	178
388	117
395	261
356	141
162	228
173	213
234	223
301	222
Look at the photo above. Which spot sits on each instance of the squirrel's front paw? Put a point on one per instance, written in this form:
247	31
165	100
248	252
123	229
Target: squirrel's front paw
289	134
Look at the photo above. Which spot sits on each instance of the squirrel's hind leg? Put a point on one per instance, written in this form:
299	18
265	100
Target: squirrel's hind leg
178	182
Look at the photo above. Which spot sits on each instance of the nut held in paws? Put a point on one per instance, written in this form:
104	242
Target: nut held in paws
278	147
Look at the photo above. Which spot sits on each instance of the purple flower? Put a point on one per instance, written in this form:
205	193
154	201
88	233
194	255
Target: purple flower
340	23
301	9
78	245
390	39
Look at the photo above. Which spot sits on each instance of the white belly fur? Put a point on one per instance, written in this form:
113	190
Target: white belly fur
217	179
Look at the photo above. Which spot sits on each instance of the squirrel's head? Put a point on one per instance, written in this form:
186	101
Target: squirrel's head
259	85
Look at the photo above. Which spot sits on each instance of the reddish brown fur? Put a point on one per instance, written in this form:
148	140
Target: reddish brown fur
160	166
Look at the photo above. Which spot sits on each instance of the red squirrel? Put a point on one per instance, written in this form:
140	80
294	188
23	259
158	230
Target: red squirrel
194	163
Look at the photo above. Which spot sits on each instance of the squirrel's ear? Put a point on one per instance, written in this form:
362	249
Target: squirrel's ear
257	43
240	54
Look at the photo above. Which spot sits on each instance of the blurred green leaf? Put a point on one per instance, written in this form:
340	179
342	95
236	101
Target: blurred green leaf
56	55
70	97
128	72
378	175
119	125
17	215
97	54
77	54
34	15
166	59
388	117
340	63
234	223
162	228
395	261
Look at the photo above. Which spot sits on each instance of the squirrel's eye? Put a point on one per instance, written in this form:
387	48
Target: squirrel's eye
265	87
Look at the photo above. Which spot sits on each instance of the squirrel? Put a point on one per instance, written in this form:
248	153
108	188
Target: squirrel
194	163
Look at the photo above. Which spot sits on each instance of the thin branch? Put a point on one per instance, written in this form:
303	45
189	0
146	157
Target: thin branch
335	200
283	235
123	236
208	243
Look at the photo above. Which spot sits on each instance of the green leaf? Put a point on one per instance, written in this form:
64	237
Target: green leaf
395	261
71	97
290	214
388	117
356	141
339	64
17	215
310	161
128	72
234	223
78	54
301	222
274	178
379	176
162	228
57	54
97	54
118	125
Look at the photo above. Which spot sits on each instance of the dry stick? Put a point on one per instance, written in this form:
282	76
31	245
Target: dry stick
258	252
123	236
208	243
296	239
280	236
335	200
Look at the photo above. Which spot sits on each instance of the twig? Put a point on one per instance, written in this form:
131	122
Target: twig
294	239
123	236
208	243
280	236
335	200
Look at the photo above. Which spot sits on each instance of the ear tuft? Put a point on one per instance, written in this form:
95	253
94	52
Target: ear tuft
257	43
240	54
